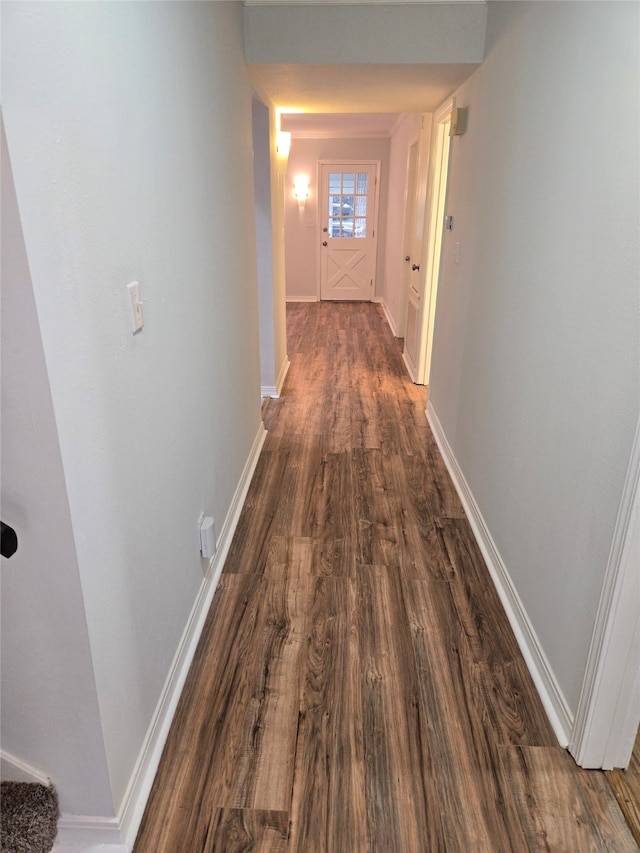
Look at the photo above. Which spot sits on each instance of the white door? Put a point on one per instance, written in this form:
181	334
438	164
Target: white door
425	263
417	212
348	212
411	202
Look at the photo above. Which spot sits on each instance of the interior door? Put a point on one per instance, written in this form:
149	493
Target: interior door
411	202
348	206
428	248
417	214
436	233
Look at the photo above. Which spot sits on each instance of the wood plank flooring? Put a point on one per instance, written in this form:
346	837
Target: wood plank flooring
357	686
625	784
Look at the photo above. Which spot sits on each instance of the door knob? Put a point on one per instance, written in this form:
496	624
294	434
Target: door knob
415	266
324	242
325	230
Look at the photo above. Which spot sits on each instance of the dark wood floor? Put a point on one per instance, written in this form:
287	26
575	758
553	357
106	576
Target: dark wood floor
626	787
357	686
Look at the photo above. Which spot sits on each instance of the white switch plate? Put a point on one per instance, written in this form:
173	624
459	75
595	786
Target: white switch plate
136	306
208	537
200	520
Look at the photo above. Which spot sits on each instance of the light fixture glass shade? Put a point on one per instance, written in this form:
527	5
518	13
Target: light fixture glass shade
301	189
283	143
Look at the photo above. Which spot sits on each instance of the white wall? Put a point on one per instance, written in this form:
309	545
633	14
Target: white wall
264	241
278	169
301	227
326	34
269	169
129	128
50	716
536	357
392	291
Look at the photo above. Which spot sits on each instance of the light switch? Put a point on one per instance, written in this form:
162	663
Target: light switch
136	306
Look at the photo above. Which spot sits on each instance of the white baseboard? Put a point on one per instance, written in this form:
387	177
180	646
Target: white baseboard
555	704
302	299
380	300
275	390
86	834
76	833
286	364
13	769
74	847
410	370
135	799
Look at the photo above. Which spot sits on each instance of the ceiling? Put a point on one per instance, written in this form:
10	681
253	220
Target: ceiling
355	99
350	2
354	96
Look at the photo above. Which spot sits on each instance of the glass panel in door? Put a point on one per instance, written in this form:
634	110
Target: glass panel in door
348	194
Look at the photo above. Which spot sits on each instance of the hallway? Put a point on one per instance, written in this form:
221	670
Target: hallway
357	686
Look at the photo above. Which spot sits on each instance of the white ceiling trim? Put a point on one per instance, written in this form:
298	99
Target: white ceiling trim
339	126
329	134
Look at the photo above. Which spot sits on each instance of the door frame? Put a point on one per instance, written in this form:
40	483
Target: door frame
376	213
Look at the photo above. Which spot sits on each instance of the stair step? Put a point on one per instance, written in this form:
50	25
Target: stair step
29	817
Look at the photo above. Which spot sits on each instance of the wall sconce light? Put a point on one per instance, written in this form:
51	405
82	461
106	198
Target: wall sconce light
458	123
283	143
301	191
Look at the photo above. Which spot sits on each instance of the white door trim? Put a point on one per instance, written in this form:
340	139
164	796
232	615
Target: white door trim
608	712
376	211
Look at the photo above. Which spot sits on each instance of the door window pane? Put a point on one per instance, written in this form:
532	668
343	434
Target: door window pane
347	197
347	227
348	183
361	205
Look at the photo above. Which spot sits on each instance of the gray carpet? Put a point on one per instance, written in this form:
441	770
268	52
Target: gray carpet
28	817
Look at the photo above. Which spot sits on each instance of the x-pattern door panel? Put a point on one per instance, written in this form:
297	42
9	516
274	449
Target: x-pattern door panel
348	236
346	274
